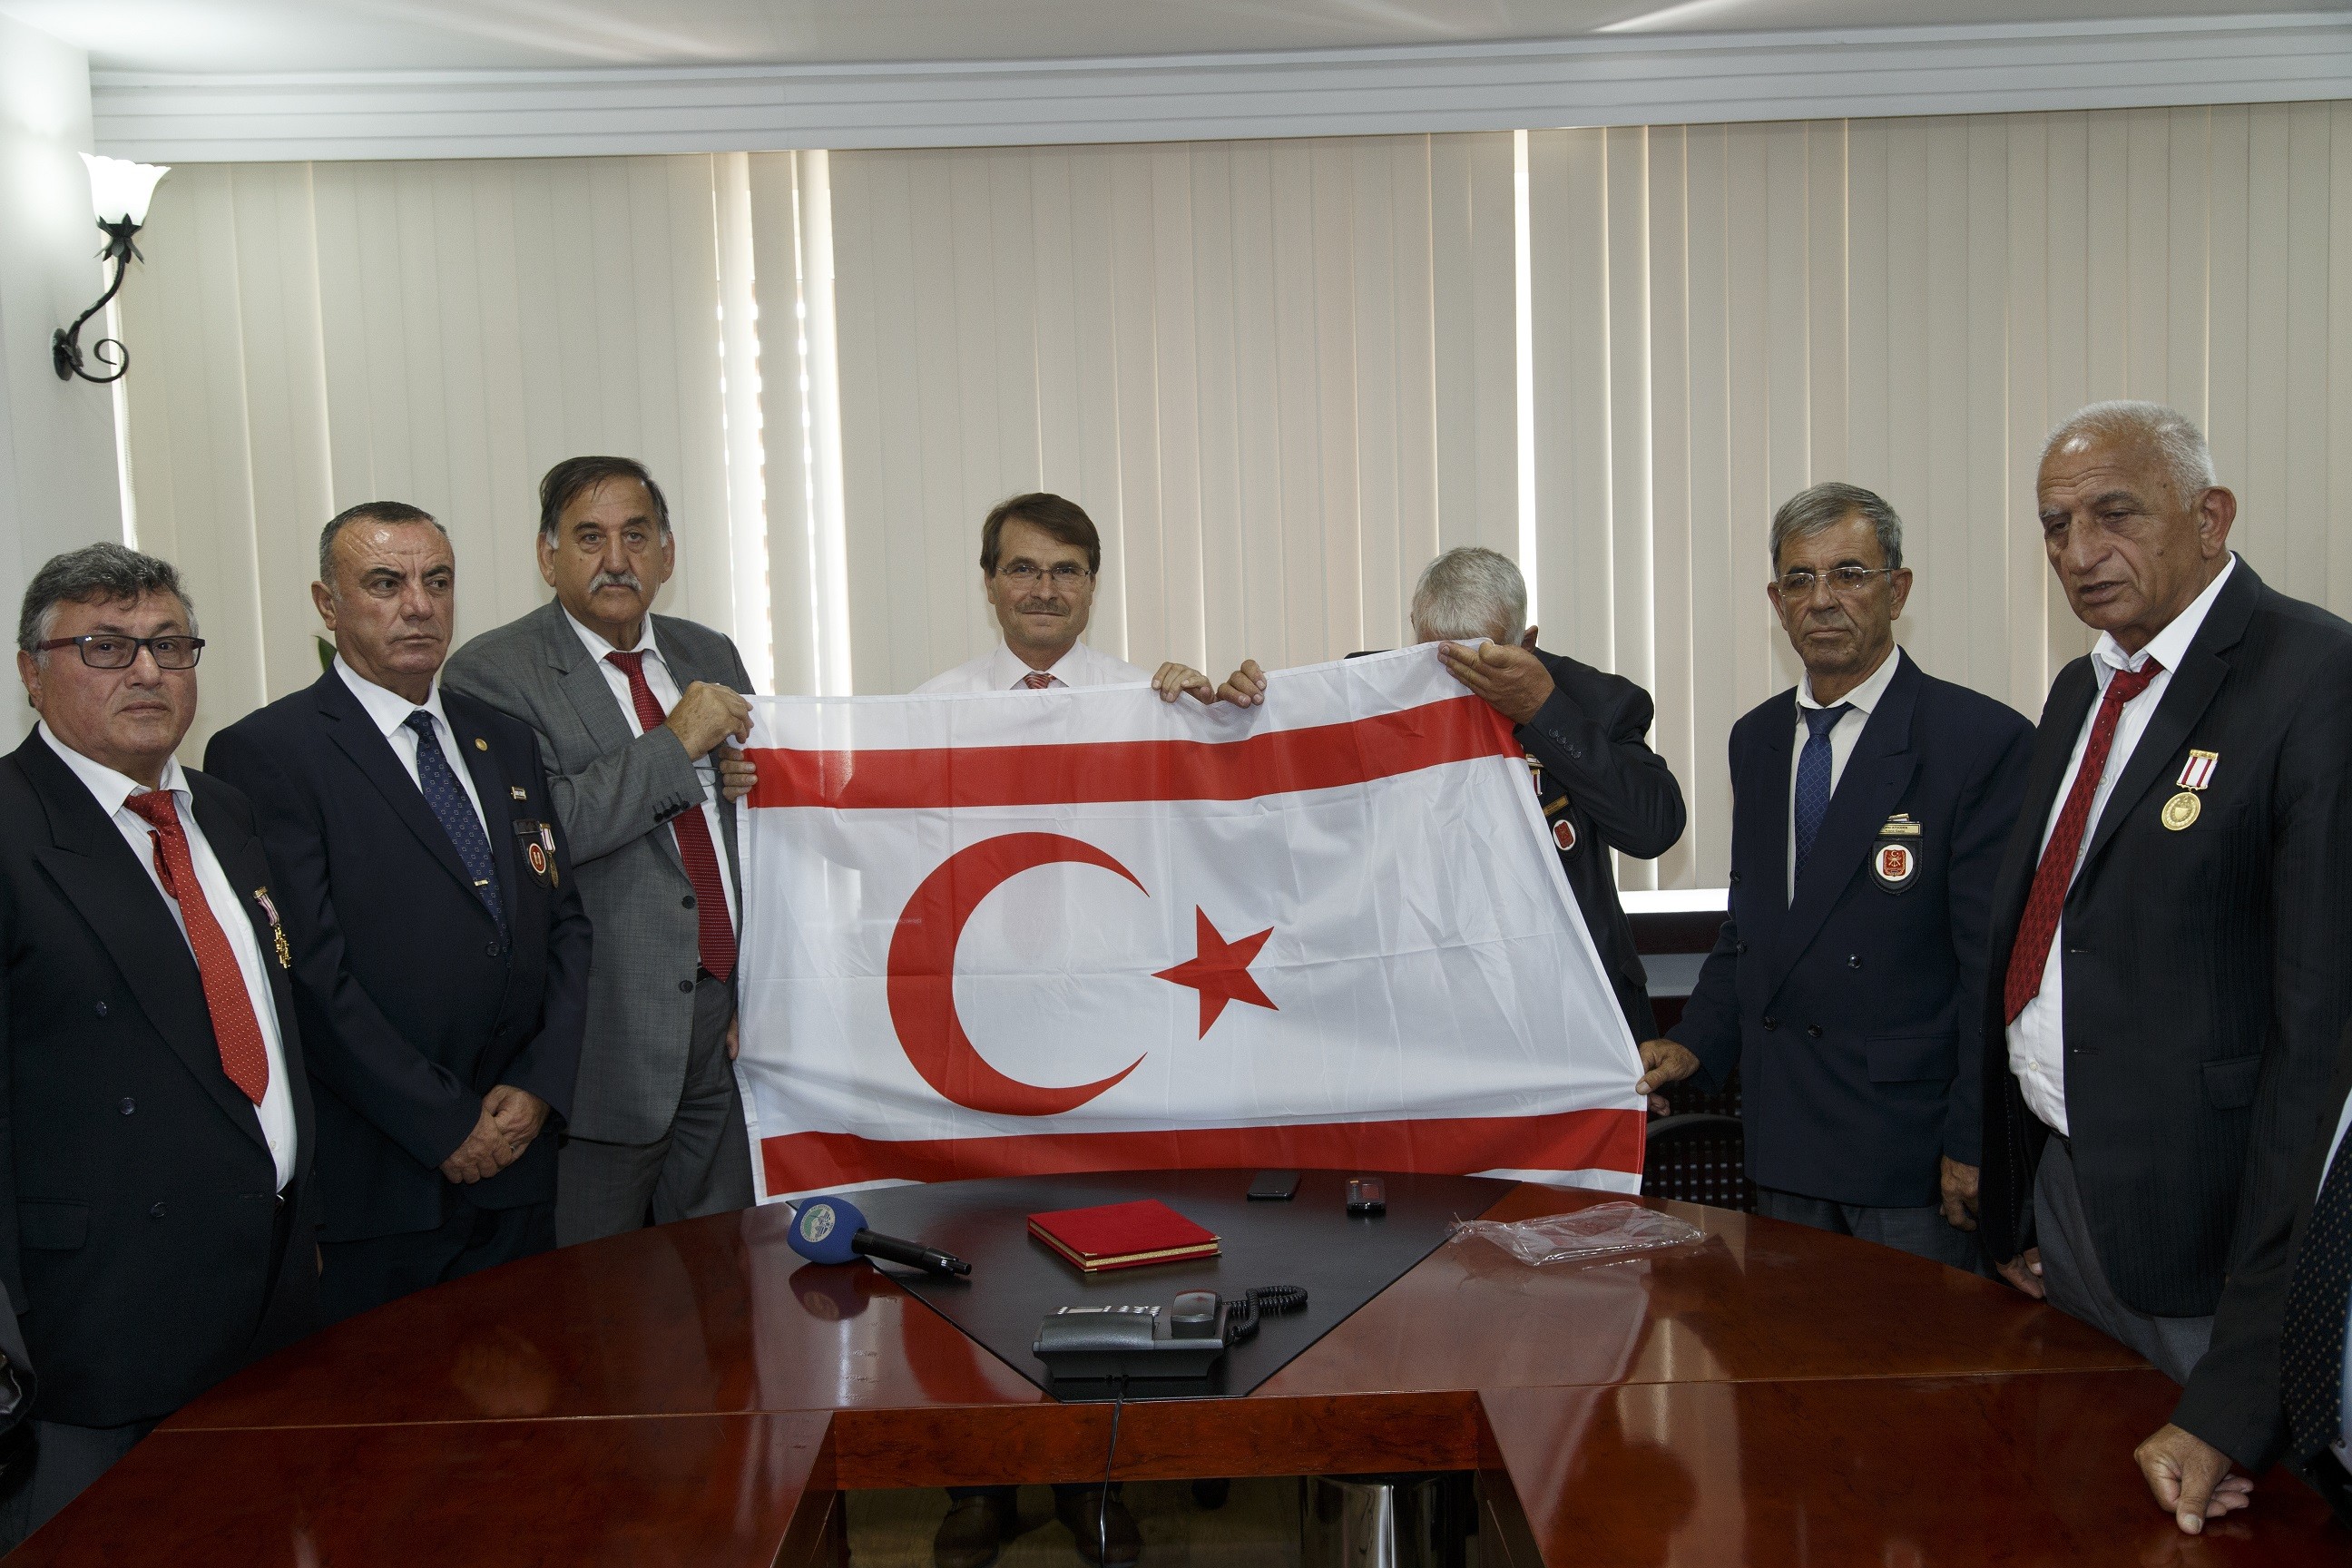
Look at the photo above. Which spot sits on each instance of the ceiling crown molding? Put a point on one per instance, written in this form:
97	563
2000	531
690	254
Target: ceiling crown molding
1614	79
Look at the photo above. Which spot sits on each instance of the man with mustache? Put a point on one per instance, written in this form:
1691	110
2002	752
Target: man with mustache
439	950
1869	809
634	714
1039	558
2169	990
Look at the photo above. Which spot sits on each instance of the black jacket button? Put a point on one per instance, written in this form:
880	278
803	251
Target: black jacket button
129	1105
101	1009
1814	1031
686	986
687	902
489	950
1735	878
1576	754
1853	961
1771	1022
1740	950
155	1213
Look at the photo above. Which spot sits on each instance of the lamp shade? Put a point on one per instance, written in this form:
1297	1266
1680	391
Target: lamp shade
120	189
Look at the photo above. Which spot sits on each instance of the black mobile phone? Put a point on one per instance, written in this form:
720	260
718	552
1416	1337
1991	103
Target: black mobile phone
1274	1186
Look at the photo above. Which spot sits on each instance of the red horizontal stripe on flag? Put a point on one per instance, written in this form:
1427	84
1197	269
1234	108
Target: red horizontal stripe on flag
1322	757
1566	1141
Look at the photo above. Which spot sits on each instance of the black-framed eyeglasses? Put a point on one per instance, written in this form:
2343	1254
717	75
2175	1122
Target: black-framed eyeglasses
112	650
1843	580
1066	575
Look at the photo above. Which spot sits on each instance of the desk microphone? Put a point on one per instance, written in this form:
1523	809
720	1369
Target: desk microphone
831	1230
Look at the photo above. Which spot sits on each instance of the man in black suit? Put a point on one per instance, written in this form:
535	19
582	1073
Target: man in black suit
1601	787
1871	805
440	949
156	1226
2169	926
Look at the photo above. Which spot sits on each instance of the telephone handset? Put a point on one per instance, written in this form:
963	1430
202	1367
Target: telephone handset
1184	1340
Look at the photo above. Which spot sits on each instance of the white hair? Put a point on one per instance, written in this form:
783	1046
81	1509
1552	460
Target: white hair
2187	460
1469	593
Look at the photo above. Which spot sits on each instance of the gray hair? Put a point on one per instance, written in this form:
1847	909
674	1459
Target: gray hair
2187	460
389	512
112	572
1470	592
1830	502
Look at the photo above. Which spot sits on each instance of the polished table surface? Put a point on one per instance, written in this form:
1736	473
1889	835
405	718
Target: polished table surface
696	1393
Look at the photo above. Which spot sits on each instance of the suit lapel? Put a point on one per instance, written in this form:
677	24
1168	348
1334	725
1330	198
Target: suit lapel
246	865
1768	789
685	671
95	871
356	736
2186	697
1875	778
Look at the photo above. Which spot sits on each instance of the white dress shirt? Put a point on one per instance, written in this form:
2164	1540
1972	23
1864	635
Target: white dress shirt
1000	669
1842	736
228	904
664	687
2037	1040
390	711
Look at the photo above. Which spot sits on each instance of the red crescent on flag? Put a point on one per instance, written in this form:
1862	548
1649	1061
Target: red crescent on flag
922	973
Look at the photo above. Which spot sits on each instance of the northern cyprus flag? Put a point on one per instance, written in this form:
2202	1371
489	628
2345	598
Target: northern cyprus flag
1080	929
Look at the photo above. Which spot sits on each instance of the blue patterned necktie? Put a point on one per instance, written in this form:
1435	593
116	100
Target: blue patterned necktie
447	798
1813	776
2311	1340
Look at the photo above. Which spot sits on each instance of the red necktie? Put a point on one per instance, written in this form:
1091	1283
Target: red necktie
694	846
1036	680
2031	954
235	1031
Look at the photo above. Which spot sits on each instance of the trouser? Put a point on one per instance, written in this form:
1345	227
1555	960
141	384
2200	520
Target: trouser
701	1165
369	1272
2077	1282
62	1463
1921	1232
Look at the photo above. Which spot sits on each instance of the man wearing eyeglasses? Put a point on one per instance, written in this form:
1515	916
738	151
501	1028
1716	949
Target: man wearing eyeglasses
1869	808
1040	557
156	1211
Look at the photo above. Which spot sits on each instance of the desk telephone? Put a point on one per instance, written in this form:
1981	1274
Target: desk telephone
1184	1340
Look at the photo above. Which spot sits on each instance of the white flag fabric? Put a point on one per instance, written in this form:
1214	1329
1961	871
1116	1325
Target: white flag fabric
1029	933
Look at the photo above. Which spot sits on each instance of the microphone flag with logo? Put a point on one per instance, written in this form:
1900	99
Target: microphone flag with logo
1024	933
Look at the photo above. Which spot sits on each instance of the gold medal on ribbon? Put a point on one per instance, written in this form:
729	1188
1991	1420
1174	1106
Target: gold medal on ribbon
2180	810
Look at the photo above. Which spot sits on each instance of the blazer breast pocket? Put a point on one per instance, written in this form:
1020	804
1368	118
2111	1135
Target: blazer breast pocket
47	1225
1911	1059
2230	1084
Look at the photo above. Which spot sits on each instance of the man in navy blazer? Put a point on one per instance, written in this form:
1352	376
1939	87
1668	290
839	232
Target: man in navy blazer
440	948
1871	807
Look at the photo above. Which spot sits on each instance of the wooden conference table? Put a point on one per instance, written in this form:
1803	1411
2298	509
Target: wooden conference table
695	1394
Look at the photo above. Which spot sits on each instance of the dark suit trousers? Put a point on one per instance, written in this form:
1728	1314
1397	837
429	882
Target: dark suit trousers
2077	1280
379	1269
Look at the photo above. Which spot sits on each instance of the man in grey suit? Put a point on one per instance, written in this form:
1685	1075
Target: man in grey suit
633	712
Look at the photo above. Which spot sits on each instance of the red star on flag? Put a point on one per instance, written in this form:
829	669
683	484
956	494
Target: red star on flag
1219	971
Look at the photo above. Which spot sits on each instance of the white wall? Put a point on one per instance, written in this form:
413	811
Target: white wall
59	486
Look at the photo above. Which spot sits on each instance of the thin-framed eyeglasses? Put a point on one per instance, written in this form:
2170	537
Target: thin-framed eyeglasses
1066	575
113	651
1843	581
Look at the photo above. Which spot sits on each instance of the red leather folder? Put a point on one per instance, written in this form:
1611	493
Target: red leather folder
1122	1236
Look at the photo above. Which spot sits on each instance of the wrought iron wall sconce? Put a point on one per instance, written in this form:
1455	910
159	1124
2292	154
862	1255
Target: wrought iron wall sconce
120	191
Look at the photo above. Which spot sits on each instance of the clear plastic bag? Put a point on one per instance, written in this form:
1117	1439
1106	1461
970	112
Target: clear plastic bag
1602	1232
